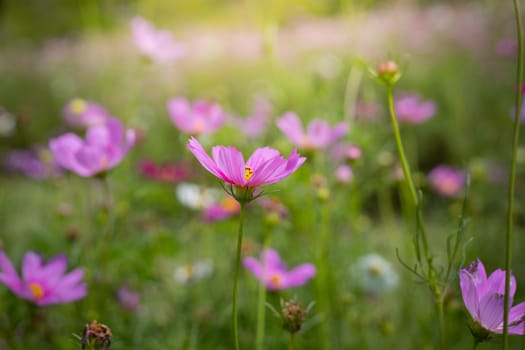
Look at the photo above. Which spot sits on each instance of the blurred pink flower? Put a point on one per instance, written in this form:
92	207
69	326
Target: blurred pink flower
255	124
36	162
264	167
368	111
344	174
166	172
507	47
447	181
222	210
128	299
43	284
104	147
318	134
346	152
202	117
271	271
411	109
80	113
157	45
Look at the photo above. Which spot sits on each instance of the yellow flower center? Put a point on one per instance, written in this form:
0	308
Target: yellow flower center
374	270
37	290
248	172
276	281
78	106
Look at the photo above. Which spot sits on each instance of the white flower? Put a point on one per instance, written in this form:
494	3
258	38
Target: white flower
193	272
195	196
374	274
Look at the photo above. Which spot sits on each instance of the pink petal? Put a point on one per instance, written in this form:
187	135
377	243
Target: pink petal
195	147
491	311
231	162
290	125
300	275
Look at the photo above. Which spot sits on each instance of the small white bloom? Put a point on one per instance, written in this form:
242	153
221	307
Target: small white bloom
193	272
195	196
374	274
7	123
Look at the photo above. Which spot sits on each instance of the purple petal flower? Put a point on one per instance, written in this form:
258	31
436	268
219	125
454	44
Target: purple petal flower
43	283
223	210
157	45
265	166
483	298
447	181
202	117
105	145
411	109
271	271
36	163
318	134
80	113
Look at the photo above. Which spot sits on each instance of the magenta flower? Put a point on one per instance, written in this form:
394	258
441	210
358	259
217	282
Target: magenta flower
344	174
43	283
202	118
484	299
264	167
80	113
36	162
318	134
104	147
166	172
411	109
271	271
447	181
157	45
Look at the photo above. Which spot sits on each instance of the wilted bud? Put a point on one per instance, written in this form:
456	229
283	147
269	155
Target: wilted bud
96	336
388	72
293	316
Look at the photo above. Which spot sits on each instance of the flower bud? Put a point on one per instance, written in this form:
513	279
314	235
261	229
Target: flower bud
96	336
388	72
293	316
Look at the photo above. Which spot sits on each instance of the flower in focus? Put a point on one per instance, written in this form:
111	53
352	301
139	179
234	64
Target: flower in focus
203	117
265	166
374	274
193	272
43	283
96	336
104	147
157	45
411	109
36	163
222	210
128	299
80	113
272	272
484	300
447	181
256	124
318	133
168	173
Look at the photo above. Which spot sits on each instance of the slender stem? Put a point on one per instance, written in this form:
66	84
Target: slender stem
406	169
235	320
261	303
512	177
292	341
475	344
441	318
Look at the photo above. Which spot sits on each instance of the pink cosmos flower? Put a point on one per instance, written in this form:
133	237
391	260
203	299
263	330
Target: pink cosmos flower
271	271
80	113
411	109
447	181
202	117
344	174
129	299
264	167
484	299
157	45
104	147
43	283
318	134
36	162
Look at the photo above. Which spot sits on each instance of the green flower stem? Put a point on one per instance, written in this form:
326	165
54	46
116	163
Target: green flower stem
512	177
322	277
261	303
292	341
475	344
235	319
